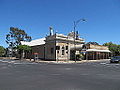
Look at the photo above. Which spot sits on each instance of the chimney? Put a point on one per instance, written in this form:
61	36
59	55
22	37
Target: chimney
77	35
51	31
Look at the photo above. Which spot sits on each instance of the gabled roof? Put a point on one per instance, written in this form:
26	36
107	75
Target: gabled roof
34	42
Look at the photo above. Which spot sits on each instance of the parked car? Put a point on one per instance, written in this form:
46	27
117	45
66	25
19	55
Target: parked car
115	59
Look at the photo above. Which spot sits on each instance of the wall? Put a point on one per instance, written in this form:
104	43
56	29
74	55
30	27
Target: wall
49	55
99	47
40	50
66	53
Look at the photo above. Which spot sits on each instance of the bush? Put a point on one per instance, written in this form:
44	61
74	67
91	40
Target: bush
79	56
2	51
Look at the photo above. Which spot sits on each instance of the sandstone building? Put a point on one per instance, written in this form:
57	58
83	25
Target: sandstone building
65	47
56	47
96	52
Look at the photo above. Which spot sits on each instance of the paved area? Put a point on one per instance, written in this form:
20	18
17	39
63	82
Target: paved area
24	75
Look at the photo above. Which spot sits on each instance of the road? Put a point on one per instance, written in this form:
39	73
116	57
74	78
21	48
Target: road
24	75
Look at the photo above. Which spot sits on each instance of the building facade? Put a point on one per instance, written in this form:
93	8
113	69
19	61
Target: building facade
65	47
56	47
96	52
61	47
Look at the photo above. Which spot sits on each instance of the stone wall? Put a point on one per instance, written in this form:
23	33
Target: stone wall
50	50
39	50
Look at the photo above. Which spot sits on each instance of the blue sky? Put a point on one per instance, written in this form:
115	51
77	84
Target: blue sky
35	17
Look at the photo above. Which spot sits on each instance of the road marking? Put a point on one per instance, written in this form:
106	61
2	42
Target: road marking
84	74
103	63
56	74
5	61
4	67
24	63
68	68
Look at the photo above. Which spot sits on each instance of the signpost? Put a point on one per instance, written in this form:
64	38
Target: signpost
35	56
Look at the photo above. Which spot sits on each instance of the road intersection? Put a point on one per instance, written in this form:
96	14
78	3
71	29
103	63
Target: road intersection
25	75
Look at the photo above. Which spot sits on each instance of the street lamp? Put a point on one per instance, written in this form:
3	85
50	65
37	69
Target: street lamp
75	25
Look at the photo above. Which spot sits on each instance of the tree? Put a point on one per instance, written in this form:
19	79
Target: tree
110	44
23	49
93	43
2	51
114	48
15	37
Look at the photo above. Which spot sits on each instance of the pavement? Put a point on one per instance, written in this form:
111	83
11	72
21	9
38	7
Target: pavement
69	61
89	75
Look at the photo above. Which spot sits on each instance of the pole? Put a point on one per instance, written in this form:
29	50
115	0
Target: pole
75	24
74	39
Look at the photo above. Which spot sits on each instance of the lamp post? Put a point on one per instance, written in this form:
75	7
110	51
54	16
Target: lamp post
75	25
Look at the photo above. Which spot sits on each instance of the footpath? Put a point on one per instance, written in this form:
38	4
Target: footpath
57	62
68	62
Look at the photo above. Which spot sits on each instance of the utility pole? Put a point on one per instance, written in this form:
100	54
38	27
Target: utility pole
74	40
75	25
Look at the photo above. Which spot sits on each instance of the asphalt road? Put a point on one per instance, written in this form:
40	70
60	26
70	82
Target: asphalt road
23	75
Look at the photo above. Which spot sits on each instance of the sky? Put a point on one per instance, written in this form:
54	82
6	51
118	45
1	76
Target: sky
36	16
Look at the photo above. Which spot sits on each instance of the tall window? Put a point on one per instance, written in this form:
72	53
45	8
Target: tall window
62	47
57	47
63	52
66	47
52	50
58	52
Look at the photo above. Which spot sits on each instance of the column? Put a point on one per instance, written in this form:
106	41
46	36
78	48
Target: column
108	55
93	55
103	55
86	55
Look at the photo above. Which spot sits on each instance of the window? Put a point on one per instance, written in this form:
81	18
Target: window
67	52
58	52
57	47
62	52
52	50
66	47
63	47
84	47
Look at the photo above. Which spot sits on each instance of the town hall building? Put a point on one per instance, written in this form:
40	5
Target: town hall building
62	47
